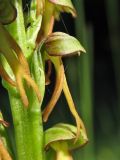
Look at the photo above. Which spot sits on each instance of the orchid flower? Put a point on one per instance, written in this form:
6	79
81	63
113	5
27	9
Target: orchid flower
56	46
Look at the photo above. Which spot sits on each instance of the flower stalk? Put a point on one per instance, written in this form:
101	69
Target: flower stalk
27	121
62	152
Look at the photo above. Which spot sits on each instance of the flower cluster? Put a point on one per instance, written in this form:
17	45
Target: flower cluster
12	52
41	41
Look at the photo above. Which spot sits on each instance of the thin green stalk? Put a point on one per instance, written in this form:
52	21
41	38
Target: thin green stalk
85	68
35	108
27	121
20	125
19	113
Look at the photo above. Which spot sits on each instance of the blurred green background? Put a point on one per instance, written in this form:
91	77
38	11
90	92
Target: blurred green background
93	78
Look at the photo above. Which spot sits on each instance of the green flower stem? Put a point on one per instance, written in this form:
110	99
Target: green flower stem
27	121
63	155
20	116
36	129
35	109
19	112
22	131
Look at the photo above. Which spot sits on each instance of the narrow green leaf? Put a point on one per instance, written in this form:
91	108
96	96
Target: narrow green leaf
62	44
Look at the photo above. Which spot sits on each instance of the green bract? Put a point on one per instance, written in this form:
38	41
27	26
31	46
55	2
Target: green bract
62	44
60	138
65	132
32	32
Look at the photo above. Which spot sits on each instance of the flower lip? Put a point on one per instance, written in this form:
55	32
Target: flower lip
65	133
